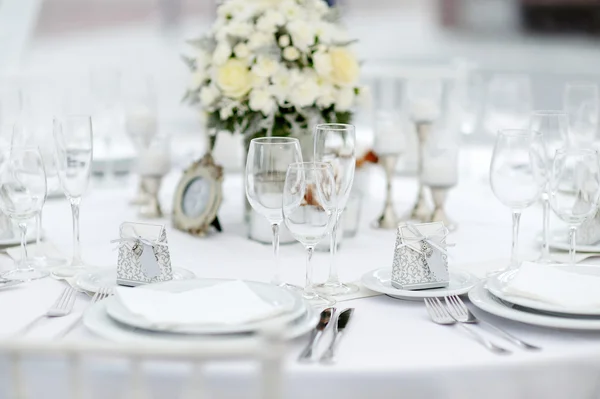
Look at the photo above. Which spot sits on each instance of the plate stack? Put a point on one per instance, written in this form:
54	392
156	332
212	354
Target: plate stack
199	310
557	296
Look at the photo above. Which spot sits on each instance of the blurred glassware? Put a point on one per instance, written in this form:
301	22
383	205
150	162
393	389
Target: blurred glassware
519	154
580	102
582	168
36	132
509	102
554	127
310	212
471	96
11	106
424	103
153	164
351	219
335	143
74	151
22	195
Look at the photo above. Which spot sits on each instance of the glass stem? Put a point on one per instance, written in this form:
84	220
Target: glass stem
77	261
514	254
546	241
22	265
309	291
333	273
277	275
572	242
38	228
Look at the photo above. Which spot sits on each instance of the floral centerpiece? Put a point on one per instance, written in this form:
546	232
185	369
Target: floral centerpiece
274	67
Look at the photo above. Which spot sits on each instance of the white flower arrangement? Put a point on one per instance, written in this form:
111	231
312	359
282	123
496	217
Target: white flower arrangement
274	67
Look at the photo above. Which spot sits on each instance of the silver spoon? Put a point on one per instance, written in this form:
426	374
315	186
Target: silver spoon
307	353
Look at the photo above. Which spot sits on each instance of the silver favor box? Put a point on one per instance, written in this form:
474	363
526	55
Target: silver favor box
420	260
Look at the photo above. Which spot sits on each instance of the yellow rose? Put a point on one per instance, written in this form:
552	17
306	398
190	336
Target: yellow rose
345	68
234	78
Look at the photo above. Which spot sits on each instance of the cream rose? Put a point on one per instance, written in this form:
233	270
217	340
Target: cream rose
234	79
345	68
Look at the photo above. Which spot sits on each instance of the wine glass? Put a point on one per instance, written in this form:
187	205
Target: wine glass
335	144
266	168
581	104
37	131
518	157
508	102
579	167
22	194
309	211
74	150
554	127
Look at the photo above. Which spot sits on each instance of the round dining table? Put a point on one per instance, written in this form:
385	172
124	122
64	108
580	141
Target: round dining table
391	348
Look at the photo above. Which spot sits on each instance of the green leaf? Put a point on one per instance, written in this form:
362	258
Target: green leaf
189	62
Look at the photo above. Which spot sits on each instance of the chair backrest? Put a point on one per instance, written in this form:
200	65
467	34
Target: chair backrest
19	382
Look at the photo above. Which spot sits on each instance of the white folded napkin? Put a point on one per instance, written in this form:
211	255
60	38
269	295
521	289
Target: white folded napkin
228	303
555	286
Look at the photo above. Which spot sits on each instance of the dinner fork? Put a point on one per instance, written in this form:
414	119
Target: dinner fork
461	312
62	307
439	315
101	294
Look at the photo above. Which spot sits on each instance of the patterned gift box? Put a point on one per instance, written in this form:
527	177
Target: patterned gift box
143	254
420	258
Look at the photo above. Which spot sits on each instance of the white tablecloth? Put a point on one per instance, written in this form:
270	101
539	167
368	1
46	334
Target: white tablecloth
391	350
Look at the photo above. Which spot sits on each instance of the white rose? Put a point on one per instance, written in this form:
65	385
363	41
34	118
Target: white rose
198	78
259	39
291	10
325	32
291	53
303	36
344	99
345	66
221	54
265	67
321	8
240	29
282	83
241	50
322	64
284	41
326	96
230	9
261	100
234	79
269	21
208	95
304	93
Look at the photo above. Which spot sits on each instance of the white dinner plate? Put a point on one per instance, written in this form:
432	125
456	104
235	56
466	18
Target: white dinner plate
106	277
97	321
380	280
496	287
291	304
487	302
560	241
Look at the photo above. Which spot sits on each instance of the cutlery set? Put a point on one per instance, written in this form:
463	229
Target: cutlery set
454	312
339	327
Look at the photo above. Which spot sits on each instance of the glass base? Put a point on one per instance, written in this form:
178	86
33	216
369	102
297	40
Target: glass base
317	300
47	262
28	274
290	287
336	289
68	271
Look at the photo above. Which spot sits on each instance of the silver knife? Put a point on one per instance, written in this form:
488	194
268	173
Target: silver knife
340	327
326	315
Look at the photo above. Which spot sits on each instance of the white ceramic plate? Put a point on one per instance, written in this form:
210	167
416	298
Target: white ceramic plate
380	281
559	241
106	277
486	301
97	321
496	287
291	304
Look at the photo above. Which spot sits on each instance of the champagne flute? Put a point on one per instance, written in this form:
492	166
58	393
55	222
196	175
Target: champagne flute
581	103
335	144
553	126
22	194
74	149
518	157
579	167
266	168
309	211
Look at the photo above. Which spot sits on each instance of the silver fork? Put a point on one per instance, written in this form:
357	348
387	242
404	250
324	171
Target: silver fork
62	307
439	315
461	312
101	294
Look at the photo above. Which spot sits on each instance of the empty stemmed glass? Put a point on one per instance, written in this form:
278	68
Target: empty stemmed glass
579	167
519	155
553	126
581	104
335	144
309	211
266	168
74	150
22	194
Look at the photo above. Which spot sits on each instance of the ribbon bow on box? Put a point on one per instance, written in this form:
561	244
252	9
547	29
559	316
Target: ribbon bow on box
435	240
144	249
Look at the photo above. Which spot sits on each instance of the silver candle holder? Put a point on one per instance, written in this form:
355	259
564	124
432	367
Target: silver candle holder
421	211
151	209
388	219
439	195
